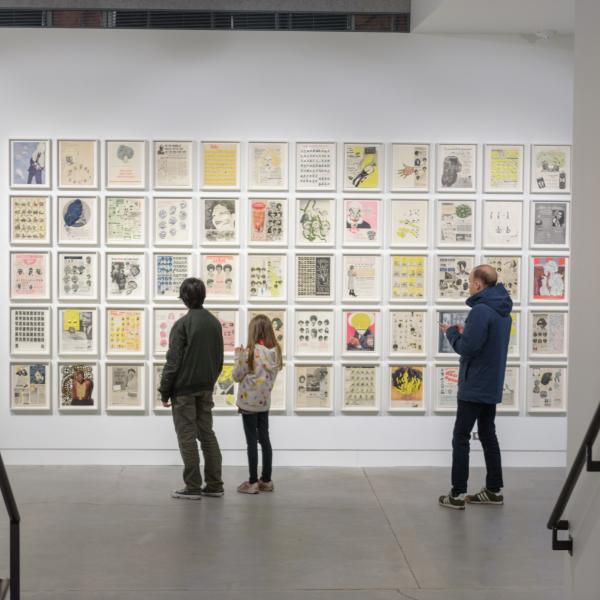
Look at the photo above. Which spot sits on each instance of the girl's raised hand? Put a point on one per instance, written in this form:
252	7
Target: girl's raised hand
239	349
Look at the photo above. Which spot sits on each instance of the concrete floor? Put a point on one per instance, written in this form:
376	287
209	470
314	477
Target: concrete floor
108	533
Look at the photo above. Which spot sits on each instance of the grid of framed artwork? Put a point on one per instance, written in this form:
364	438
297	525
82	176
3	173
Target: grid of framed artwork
355	258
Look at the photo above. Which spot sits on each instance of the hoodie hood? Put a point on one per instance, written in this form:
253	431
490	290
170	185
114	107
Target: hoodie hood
269	355
496	297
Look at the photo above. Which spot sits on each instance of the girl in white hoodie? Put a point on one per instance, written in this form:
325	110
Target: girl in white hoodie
255	370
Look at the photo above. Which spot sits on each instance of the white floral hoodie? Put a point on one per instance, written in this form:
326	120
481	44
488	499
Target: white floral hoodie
254	390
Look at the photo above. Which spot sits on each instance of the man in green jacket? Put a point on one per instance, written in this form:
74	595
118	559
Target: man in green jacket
194	363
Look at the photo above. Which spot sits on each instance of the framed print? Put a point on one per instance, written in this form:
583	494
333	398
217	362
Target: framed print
267	223
30	387
278	317
362	278
170	271
363	167
220	273
125	276
78	164
162	323
30	331
315	166
514	341
547	389
229	319
447	317
407	332
511	391
503	168
126	164
77	220
125	387
548	333
30	276
549	225
362	222
78	276
30	164
550	169
267	166
455	223
509	273
408	278
267	277
502	224
410	168
315	222
220	221
446	388
456	168
409	223
360	388
157	405
549	278
30	220
314	332
225	392
173	165
78	386
125	331
315	278
173	219
313	388
406	387
78	330
125	221
220	165
279	392
361	333
452	277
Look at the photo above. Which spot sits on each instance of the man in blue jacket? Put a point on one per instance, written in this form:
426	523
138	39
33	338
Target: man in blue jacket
483	346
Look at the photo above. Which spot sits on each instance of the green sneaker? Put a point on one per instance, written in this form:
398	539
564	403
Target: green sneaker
455	502
485	497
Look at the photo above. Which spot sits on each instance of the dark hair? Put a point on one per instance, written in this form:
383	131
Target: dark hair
486	274
192	292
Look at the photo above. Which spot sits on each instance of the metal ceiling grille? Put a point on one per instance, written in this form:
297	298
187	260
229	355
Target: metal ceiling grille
224	20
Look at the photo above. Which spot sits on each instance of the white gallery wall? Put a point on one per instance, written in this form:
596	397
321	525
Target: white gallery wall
279	87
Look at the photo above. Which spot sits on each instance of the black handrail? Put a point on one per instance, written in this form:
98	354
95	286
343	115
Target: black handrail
15	520
584	458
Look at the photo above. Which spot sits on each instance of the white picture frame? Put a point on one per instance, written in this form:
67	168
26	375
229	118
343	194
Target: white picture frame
452	277
514	342
77	222
125	220
30	164
30	276
315	277
315	222
314	332
547	386
173	221
268	222
86	394
409	223
408	332
266	279
78	276
361	393
156	373
279	393
511	391
313	388
361	278
550	225
455	223
78	330
126	165
509	269
361	222
30	330
445	387
220	221
268	166
78	164
30	220
220	166
221	274
359	327
550	169
30	386
410	168
503	168
548	333
125	387
125	331
549	277
502	224
364	167
125	276
170	270
316	166
230	324
279	320
407	387
447	315
456	168
408	278
163	319
225	392
173	165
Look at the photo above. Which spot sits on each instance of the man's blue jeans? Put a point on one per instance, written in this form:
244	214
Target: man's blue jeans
467	414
